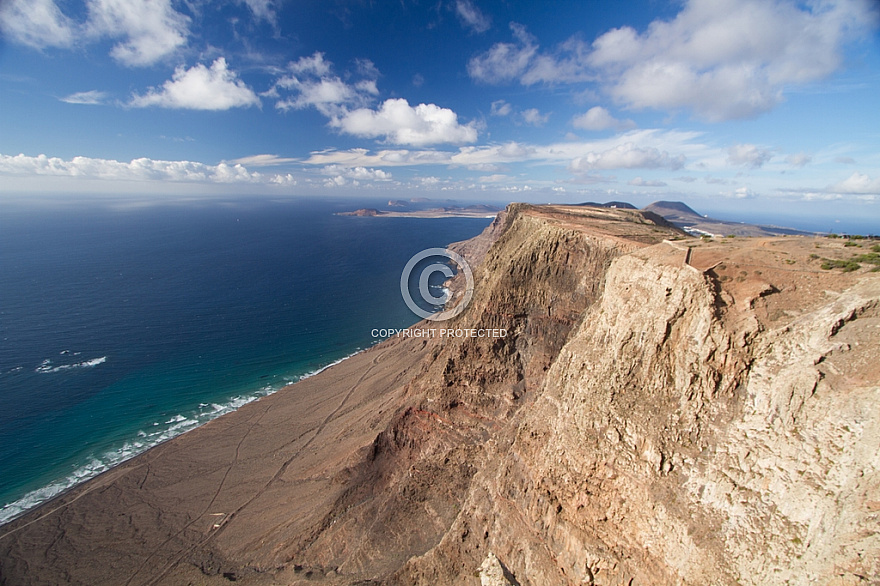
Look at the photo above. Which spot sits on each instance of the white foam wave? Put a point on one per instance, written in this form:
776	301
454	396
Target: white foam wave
47	367
151	436
323	368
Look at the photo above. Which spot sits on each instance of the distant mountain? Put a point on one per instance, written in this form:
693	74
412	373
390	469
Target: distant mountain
692	222
671	208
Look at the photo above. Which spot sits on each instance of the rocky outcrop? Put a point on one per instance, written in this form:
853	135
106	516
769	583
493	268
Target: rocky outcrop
661	411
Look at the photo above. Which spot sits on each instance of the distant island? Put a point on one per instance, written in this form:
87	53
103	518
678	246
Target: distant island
472	211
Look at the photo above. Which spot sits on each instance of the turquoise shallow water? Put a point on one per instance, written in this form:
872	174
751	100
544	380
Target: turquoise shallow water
123	326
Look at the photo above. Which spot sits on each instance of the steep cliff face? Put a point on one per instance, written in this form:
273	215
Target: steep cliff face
682	436
659	412
535	284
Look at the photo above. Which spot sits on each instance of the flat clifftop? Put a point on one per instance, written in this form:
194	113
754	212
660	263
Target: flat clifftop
663	410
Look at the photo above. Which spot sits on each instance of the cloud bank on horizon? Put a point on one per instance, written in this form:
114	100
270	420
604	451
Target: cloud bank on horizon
770	101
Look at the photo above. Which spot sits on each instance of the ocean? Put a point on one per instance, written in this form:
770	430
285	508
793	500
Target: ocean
123	324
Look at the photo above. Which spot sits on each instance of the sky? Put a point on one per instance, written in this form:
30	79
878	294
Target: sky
734	106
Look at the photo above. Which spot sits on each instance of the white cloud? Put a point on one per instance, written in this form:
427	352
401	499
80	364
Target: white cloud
598	118
533	117
263	161
505	61
325	95
315	86
857	183
748	155
142	169
314	64
152	29
337	181
93	97
496	178
522	61
357	173
500	108
639	182
399	123
36	23
649	148
740	193
200	88
728	59
262	9
471	16
721	59
387	158
627	156
798	159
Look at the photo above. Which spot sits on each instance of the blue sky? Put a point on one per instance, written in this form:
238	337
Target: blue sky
765	106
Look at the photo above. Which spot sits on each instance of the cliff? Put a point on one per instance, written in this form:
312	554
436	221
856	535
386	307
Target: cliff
661	411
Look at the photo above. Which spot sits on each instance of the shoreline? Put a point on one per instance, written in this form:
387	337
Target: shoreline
130	449
186	492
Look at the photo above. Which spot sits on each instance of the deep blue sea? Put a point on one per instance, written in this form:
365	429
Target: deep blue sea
123	325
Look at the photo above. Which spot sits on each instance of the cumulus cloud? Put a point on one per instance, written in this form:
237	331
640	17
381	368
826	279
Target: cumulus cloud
721	59
151	29
627	156
397	122
748	155
36	23
93	97
598	118
857	183
471	16
310	82
142	169
533	117
357	173
740	193
200	88
524	62
505	61
728	59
